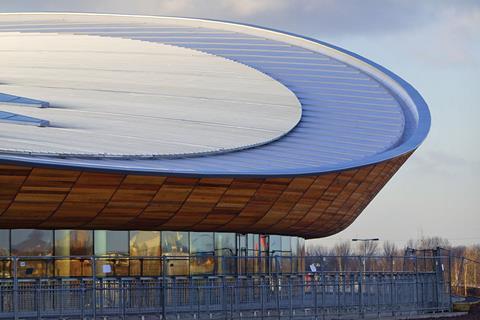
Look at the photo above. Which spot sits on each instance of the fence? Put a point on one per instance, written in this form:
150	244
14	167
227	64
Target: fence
334	286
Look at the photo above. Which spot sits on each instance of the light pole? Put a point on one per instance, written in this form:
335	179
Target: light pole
365	250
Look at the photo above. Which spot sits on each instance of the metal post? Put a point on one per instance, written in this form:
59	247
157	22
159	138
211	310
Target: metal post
450	306
360	295
94	288
315	297
15	288
277	282
82	299
164	287
392	266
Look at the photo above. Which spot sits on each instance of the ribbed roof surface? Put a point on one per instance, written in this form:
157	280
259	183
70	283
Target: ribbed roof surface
353	112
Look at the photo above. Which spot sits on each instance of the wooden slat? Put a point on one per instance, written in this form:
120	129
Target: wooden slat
309	206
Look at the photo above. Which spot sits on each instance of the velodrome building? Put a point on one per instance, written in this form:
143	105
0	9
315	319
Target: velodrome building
135	136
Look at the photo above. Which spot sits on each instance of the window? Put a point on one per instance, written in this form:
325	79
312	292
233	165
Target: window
301	254
264	248
4	253
253	253
113	246
225	250
201	248
295	258
28	242
275	253
73	243
145	244
175	246
286	254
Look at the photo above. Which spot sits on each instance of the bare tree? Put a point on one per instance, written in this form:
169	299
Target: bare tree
428	243
318	250
390	249
343	248
367	248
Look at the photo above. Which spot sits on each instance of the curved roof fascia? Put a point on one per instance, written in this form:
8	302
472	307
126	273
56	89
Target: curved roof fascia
408	95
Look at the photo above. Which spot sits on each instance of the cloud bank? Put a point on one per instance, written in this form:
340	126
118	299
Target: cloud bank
328	16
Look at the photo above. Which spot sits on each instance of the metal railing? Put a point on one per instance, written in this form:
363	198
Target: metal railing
323	293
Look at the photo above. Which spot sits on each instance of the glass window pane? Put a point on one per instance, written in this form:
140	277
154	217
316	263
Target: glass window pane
294	254
253	253
4	253
286	254
275	245
73	243
145	244
114	243
301	253
175	246
28	242
225	251
275	253
114	246
201	248
4	242
264	260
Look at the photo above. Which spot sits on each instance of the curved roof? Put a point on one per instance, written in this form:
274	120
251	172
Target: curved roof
354	112
141	98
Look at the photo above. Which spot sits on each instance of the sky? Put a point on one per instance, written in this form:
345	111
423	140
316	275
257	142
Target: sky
433	44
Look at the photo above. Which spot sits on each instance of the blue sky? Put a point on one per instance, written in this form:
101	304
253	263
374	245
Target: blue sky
433	44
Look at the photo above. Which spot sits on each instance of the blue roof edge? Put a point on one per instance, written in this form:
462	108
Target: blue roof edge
414	141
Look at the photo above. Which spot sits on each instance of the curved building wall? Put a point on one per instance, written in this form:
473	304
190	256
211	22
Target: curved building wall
306	206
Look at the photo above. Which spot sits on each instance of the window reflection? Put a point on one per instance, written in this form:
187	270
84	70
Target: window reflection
145	244
294	254
27	242
253	253
113	246
275	252
73	243
301	254
264	248
225	251
175	246
201	248
4	253
286	254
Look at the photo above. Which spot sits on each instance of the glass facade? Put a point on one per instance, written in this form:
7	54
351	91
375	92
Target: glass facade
73	243
4	253
31	243
202	251
175	247
74	253
225	251
144	246
114	246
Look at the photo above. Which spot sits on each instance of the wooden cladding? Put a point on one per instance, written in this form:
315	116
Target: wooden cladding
306	206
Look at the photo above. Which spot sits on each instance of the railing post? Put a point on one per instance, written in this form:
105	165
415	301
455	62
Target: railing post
94	287
290	287
82	299
277	281
360	294
392	266
450	305
262	296
164	288
37	297
315	289
15	288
